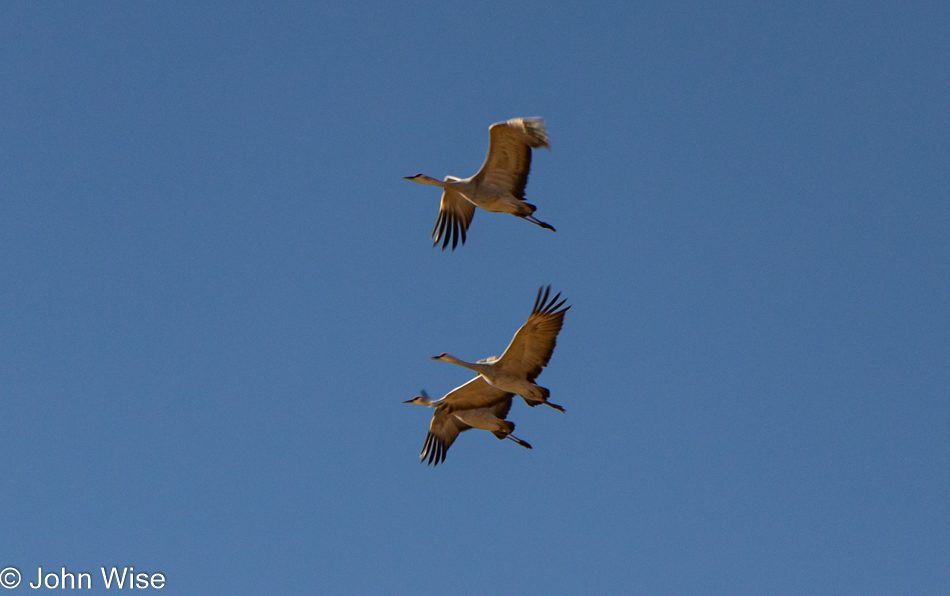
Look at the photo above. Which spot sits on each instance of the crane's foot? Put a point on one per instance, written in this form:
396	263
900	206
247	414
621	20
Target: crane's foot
524	444
538	222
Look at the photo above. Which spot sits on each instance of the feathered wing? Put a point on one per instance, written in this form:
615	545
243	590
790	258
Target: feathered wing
509	153
443	430
501	409
474	395
445	427
532	346
455	215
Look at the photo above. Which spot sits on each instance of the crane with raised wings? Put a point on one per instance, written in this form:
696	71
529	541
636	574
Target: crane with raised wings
497	187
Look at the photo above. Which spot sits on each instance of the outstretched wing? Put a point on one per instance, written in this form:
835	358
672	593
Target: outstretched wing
473	395
455	215
443	430
500	410
509	153
532	346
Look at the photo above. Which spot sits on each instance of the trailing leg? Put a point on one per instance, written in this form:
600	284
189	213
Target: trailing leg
538	222
524	444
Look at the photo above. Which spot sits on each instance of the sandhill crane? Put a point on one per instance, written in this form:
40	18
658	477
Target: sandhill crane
453	416
499	184
528	353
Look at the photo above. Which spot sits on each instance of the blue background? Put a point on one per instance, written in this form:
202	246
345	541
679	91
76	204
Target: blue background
215	293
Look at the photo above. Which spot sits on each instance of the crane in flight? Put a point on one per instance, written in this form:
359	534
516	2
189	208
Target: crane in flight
526	355
497	187
453	415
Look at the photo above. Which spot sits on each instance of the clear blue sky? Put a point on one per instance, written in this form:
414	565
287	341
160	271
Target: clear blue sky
216	291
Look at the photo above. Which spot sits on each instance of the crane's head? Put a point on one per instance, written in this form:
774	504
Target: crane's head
421	400
423	179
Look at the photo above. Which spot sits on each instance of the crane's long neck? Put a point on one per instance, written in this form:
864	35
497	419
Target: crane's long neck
475	366
423	179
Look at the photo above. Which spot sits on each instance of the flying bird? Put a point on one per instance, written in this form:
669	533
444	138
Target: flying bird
526	355
453	416
497	187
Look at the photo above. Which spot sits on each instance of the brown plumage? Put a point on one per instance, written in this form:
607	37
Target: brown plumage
454	414
528	353
498	186
531	347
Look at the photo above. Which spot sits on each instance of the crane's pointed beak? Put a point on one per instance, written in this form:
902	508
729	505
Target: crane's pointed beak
409	401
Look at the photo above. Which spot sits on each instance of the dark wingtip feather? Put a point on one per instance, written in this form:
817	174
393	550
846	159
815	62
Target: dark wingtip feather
542	299
554	307
544	306
446	231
